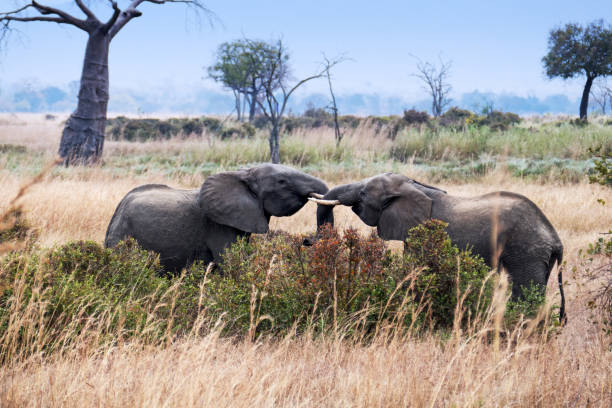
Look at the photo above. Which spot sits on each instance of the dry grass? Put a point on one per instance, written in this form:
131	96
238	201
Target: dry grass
573	368
80	207
300	372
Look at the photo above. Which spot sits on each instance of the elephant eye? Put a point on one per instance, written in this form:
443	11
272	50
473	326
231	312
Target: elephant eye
282	181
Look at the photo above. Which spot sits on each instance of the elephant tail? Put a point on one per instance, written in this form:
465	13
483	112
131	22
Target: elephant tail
557	256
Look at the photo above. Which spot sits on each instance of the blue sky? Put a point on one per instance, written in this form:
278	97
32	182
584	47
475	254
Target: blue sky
494	46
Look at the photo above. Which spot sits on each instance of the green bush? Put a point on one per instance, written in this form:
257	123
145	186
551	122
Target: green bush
456	117
527	306
241	131
273	283
141	130
602	173
82	290
497	120
414	117
8	148
14	228
446	267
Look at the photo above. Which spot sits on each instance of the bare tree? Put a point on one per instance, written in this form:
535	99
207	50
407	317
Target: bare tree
83	136
277	92
436	83
601	92
333	107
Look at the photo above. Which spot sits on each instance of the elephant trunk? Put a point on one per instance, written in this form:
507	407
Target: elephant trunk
315	187
346	194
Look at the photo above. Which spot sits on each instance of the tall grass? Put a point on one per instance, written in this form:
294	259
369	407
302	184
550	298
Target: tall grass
462	367
542	142
475	365
542	148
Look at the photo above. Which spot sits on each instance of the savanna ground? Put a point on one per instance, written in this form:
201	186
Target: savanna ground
541	159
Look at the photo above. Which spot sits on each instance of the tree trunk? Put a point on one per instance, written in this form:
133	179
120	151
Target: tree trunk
252	106
83	137
584	103
274	144
237	101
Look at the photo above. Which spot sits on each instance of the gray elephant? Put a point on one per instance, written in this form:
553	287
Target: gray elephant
506	229
188	225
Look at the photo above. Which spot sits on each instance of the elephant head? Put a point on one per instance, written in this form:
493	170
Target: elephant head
391	202
245	199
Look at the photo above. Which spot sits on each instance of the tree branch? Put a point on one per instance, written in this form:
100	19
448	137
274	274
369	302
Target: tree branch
113	18
125	17
131	12
58	20
62	16
86	10
70	19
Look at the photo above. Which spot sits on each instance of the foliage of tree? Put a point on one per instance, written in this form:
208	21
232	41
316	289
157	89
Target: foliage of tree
574	50
242	66
83	136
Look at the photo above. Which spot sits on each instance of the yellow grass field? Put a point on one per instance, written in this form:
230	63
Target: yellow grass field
573	368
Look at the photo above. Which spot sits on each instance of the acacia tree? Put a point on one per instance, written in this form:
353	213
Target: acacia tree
83	136
436	83
232	71
574	50
242	67
277	92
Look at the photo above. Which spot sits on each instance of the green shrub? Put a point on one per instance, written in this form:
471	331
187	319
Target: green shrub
602	173
273	283
597	266
414	117
349	121
499	121
82	290
8	148
527	306
276	282
211	124
456	117
141	130
14	228
428	246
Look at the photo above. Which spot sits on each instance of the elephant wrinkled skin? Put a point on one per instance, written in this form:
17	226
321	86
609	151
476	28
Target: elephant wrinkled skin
506	229
188	225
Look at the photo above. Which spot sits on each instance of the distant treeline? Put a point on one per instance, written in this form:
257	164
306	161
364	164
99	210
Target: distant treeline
42	99
123	128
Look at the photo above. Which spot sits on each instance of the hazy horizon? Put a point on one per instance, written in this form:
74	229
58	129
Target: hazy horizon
495	49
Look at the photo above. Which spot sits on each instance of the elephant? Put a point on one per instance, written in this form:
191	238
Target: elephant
506	229
188	225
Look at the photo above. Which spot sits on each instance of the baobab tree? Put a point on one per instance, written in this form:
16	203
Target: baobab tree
83	136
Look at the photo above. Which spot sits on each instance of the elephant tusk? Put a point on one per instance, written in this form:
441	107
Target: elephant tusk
324	202
316	195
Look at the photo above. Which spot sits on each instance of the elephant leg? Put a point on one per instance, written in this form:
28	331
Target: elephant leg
525	272
221	237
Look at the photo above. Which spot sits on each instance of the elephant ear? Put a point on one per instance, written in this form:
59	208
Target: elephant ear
227	199
404	208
